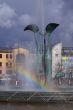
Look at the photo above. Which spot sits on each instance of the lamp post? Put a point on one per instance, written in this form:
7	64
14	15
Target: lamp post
46	46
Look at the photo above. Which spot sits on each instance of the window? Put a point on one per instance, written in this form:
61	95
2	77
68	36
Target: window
0	63
56	55
7	64
0	55
10	64
11	56
0	71
6	55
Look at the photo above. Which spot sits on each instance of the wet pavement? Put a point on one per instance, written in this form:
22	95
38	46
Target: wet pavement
49	106
12	86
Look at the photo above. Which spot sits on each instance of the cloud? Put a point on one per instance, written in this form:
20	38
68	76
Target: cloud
26	19
53	10
7	15
61	11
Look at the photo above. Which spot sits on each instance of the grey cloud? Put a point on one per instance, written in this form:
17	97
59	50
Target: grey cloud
7	15
53	10
26	19
61	11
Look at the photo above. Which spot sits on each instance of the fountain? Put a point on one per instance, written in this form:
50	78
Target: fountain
43	51
43	47
31	66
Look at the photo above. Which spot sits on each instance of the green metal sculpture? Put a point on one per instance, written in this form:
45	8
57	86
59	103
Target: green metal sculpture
34	28
46	62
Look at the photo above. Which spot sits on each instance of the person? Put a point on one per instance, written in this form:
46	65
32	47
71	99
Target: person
70	77
70	74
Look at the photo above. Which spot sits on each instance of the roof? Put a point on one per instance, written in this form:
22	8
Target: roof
5	50
67	48
10	49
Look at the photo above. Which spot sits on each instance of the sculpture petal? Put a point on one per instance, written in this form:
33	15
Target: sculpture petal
32	27
51	27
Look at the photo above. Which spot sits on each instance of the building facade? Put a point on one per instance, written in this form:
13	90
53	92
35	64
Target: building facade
8	59
67	60
62	57
56	58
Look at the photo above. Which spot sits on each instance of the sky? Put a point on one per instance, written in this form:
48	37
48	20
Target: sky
15	15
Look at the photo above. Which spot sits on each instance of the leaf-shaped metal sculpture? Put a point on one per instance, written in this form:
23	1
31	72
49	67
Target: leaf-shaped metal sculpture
51	27
32	27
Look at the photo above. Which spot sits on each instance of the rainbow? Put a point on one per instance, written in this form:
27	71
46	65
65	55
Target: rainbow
32	76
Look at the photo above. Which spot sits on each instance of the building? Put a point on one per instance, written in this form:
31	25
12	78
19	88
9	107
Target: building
56	58
67	60
8	59
62	57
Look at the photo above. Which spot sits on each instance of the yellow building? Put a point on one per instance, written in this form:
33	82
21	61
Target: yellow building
8	59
